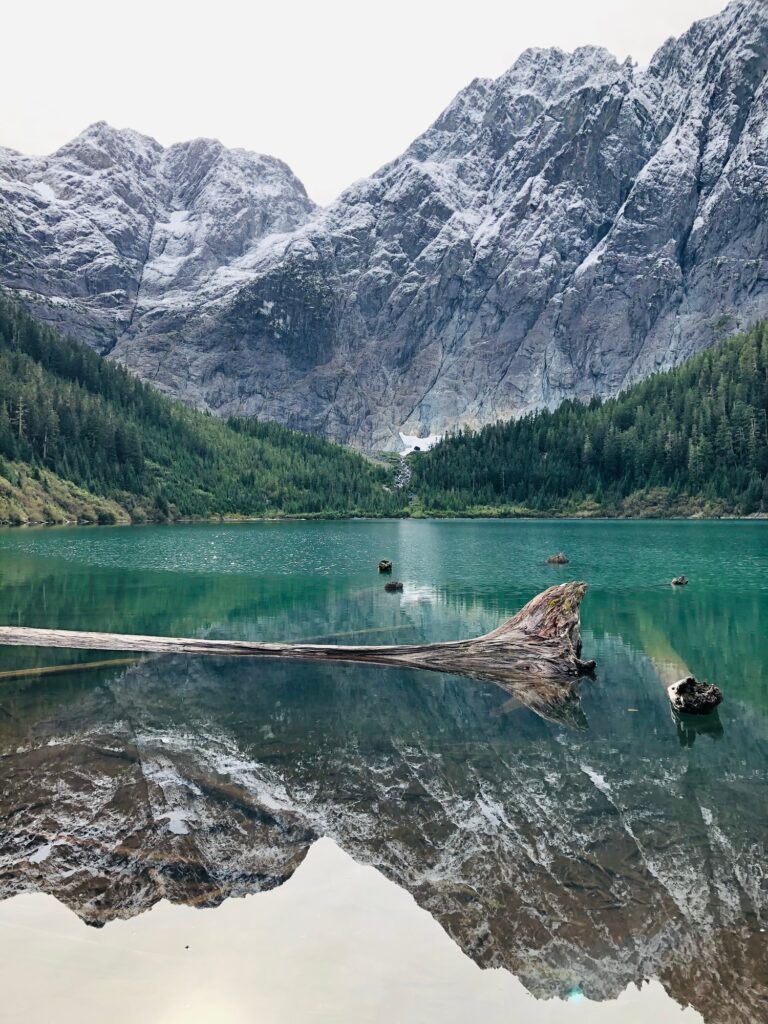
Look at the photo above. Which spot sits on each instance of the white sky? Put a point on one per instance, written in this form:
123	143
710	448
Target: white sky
334	87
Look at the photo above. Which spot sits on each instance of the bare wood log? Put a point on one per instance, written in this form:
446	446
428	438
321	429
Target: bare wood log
535	655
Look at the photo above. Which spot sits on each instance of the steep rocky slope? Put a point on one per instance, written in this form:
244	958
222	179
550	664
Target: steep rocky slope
562	230
113	226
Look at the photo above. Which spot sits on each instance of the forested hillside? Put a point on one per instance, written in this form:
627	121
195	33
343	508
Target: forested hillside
692	440
80	438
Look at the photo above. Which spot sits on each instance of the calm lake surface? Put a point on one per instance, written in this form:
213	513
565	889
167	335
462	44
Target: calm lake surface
581	856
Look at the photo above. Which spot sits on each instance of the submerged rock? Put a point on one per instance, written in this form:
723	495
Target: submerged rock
559	559
691	697
385	565
393	586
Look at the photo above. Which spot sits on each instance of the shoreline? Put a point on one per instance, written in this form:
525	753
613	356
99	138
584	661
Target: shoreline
421	517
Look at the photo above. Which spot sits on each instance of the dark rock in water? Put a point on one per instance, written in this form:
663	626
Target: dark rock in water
691	697
680	581
559	559
385	565
393	586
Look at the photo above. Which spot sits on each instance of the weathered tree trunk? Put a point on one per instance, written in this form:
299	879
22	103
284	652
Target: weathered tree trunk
534	655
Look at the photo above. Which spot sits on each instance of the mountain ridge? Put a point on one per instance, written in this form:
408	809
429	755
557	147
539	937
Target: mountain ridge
560	231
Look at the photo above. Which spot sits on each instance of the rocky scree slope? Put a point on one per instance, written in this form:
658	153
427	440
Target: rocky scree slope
561	231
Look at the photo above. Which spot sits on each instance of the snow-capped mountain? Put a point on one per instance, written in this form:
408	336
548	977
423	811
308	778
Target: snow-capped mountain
113	224
560	231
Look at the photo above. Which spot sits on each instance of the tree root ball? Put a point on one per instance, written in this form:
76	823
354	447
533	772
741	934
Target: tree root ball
690	697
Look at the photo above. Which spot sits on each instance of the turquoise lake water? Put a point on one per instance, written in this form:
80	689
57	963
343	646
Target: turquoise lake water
582	857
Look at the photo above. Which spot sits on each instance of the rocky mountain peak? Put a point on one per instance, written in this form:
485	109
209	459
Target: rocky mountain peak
102	149
551	74
130	218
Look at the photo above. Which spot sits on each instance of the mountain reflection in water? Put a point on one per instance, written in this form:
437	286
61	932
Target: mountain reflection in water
592	859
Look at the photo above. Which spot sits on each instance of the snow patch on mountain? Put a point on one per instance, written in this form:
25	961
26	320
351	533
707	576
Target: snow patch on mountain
418	444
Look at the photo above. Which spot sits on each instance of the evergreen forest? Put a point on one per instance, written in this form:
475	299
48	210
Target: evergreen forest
68	415
689	441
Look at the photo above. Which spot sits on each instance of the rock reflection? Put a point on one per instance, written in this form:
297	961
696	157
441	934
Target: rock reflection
690	726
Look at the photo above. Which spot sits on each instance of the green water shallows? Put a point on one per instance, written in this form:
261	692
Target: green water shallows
272	581
578	858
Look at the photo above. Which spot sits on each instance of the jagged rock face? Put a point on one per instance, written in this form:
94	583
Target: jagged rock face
112	227
597	858
561	231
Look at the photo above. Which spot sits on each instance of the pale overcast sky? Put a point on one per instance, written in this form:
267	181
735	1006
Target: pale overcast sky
333	87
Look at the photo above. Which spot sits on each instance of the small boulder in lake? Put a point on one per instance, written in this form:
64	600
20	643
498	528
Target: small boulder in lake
393	586
680	581
690	697
559	559
385	565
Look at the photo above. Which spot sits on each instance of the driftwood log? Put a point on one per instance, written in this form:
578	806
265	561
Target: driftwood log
535	655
